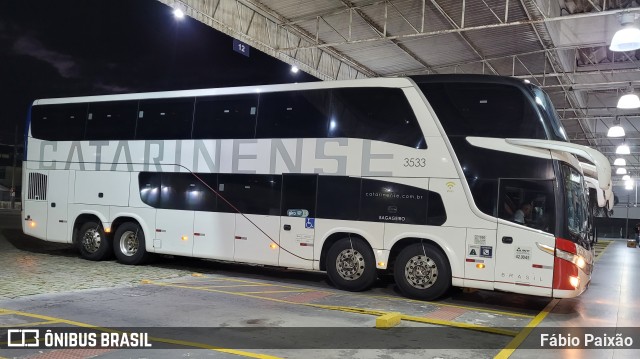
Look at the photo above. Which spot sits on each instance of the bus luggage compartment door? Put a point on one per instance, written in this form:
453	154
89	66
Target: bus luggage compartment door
57	199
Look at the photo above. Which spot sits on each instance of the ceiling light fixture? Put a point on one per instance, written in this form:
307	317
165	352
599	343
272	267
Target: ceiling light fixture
621	171
616	130
629	100
626	177
627	38
628	184
295	70
620	162
623	150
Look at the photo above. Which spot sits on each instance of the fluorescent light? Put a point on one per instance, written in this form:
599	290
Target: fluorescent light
626	177
628	101
623	150
620	162
617	130
627	38
621	171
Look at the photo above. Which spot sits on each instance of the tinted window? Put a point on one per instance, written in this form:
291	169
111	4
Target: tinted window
299	195
295	114
506	165
437	215
165	119
150	188
225	117
178	191
251	194
112	120
485	110
485	194
381	114
338	197
392	202
59	122
528	202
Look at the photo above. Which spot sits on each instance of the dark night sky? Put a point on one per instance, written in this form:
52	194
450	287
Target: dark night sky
88	47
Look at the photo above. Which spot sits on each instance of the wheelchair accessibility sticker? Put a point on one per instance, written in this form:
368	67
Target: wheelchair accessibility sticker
310	223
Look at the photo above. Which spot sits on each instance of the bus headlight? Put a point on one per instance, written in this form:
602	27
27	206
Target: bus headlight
574	281
570	257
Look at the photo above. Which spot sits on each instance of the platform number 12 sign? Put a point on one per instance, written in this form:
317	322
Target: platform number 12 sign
241	47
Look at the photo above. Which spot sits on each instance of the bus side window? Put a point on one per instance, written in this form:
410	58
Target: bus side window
379	114
111	120
226	117
64	122
165	119
528	200
295	114
250	194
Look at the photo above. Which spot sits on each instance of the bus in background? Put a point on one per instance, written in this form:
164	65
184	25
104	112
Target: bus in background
420	177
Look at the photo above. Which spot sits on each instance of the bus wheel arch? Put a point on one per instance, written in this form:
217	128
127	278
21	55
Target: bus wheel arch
421	268
349	261
90	238
129	241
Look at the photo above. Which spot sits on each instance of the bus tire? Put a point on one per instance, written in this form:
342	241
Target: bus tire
129	244
422	272
92	242
351	265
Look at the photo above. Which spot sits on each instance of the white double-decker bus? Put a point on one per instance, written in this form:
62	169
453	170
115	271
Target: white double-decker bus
452	180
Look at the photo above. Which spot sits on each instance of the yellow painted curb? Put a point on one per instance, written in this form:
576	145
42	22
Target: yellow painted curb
524	333
145	281
197	275
388	320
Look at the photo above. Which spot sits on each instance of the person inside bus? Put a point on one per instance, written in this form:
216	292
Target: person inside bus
522	213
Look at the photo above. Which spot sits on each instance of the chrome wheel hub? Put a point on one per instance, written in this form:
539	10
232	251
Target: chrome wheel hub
129	243
91	240
421	272
350	264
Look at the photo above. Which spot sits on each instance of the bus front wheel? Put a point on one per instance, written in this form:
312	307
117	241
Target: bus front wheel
92	242
351	265
422	271
129	244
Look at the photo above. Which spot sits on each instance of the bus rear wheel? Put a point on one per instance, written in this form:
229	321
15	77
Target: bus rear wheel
129	244
351	265
92	242
422	271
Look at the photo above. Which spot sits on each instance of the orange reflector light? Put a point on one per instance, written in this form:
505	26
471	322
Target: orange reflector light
480	265
381	264
273	246
184	238
107	230
574	281
32	224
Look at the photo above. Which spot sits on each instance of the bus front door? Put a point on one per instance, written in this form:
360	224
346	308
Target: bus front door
297	230
521	266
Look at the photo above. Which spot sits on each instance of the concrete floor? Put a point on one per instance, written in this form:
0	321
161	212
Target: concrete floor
271	313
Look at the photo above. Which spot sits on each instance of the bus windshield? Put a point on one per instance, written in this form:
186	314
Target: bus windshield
575	203
543	101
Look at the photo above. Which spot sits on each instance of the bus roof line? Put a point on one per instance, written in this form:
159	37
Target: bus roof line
603	168
390	82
